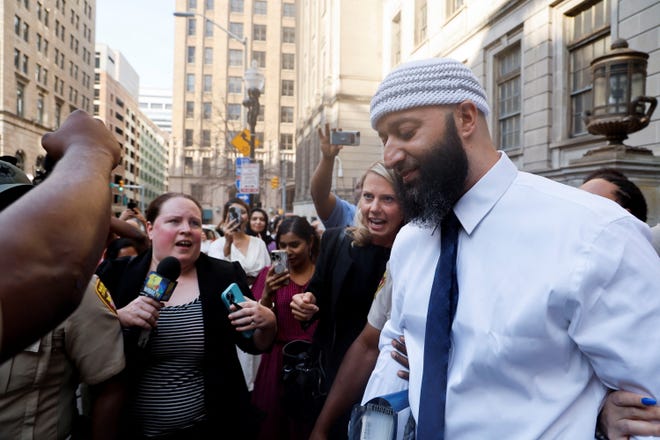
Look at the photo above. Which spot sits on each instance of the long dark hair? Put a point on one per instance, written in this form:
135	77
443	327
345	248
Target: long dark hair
300	226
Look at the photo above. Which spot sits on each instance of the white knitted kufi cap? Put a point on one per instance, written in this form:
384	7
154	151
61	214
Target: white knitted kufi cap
434	81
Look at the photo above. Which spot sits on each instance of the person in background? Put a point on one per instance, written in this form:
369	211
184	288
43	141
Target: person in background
251	253
236	245
299	240
208	237
332	209
180	381
57	262
258	227
133	216
539	268
614	185
121	247
348	272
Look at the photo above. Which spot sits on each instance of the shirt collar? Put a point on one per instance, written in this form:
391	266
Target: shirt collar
475	204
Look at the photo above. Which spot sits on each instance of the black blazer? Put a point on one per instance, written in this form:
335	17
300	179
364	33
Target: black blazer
223	377
345	277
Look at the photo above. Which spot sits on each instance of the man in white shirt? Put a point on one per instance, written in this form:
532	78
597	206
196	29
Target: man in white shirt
558	289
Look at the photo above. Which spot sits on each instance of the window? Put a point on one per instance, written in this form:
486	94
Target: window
206	110
24	64
286	114
40	109
188	166
190	54
235	57
260	7
508	97
20	99
192	24
287	87
420	21
236	28
286	141
190	82
206	161
236	6
192	4
208	28
588	38
190	109
208	55
17	59
396	40
288	61
58	113
235	84
208	83
196	190
26	32
453	6
259	32
289	10
233	112
208	4
206	140
188	141
288	35
260	57
260	116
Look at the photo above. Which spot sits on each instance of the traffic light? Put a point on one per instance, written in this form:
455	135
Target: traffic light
121	185
275	182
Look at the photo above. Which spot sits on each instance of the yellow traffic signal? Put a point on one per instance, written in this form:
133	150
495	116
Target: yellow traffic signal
275	182
121	185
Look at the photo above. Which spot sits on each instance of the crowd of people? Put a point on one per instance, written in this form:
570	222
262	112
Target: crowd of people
502	304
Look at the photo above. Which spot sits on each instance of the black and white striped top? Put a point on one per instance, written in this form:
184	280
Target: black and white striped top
170	394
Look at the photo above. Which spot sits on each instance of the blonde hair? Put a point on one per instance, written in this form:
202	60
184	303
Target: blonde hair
359	231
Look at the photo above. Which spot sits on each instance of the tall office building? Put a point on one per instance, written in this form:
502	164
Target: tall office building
142	174
156	103
339	56
47	71
207	110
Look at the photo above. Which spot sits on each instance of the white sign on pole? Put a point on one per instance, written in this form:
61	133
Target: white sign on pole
250	178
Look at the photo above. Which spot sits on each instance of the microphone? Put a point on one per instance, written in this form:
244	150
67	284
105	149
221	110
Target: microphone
159	285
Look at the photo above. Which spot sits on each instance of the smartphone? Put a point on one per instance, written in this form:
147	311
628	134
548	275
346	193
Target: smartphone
234	214
131	205
279	260
345	137
233	295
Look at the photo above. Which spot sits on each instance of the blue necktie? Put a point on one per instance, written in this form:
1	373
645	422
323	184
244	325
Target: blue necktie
440	315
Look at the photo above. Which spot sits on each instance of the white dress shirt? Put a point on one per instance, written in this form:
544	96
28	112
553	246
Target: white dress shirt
559	297
257	256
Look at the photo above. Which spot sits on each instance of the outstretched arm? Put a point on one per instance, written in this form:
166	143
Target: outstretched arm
52	237
321	183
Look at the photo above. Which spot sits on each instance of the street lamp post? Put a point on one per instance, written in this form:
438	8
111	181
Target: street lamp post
254	83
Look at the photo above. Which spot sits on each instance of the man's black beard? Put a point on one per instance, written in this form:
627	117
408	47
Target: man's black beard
440	181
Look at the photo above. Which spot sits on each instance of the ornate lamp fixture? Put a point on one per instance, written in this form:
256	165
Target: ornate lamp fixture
254	83
619	106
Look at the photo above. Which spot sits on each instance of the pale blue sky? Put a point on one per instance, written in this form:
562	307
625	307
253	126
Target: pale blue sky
143	30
